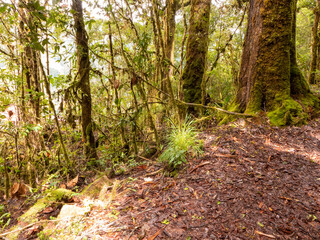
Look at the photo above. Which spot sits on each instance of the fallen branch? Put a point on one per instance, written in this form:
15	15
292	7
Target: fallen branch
156	234
30	225
215	108
153	173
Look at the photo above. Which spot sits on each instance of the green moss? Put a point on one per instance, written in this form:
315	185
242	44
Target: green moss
224	118
234	107
30	216
299	85
94	189
288	112
57	195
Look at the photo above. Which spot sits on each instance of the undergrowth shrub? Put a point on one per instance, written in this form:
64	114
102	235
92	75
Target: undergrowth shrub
182	142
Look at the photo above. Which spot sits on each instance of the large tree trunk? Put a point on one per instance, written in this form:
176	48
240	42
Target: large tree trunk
269	76
197	48
84	80
315	45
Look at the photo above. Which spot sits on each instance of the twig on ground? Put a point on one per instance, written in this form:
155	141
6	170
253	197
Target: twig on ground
153	173
264	234
147	159
226	155
200	165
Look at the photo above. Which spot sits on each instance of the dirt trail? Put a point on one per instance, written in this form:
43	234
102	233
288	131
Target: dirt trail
253	182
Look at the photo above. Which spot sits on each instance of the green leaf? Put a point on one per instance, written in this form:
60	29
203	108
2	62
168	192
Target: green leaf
38	46
3	8
166	221
45	41
260	224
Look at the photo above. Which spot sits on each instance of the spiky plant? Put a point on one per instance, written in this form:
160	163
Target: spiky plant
182	142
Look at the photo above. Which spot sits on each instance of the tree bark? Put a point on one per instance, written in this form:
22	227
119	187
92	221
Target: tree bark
30	60
169	37
197	48
269	75
84	80
315	45
28	37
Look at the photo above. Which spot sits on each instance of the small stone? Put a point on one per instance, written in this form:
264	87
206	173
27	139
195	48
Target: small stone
71	211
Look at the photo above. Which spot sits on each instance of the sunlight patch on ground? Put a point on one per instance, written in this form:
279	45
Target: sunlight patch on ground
97	223
314	155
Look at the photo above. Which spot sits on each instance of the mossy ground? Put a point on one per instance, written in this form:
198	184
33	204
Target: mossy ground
285	111
58	195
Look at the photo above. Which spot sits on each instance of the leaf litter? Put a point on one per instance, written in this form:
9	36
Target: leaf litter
253	182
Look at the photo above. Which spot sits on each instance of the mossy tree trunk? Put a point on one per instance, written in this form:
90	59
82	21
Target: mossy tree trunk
31	84
196	51
269	78
28	33
169	33
83	63
315	44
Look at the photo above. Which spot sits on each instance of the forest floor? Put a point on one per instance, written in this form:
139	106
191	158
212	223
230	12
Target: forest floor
252	182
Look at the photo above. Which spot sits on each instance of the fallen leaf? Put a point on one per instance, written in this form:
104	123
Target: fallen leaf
73	182
166	221
156	234
18	190
48	210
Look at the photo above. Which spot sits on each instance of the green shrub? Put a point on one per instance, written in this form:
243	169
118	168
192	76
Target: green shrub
182	141
4	217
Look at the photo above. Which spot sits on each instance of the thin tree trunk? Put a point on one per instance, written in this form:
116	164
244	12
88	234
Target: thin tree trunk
116	86
138	83
315	44
84	80
180	91
299	87
47	87
169	36
149	115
